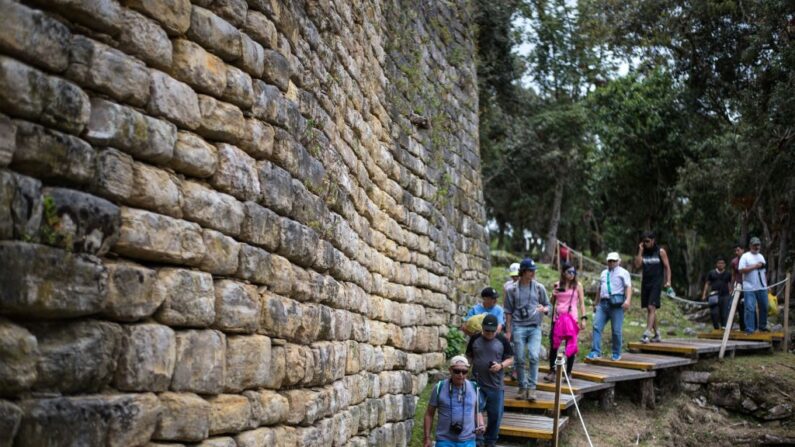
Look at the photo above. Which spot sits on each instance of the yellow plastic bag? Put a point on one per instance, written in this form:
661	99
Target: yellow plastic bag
772	304
475	324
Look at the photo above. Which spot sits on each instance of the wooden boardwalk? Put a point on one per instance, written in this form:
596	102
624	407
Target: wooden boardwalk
578	386
769	337
529	425
643	362
545	400
695	348
598	373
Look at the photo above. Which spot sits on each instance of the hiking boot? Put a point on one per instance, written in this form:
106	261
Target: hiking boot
616	357
531	395
656	338
522	394
550	377
645	338
764	330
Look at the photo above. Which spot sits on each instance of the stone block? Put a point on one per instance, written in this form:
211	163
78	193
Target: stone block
302	365
19	351
154	237
261	29
194	156
254	264
221	441
277	70
261	226
239	88
79	222
145	39
124	128
201	70
236	174
33	36
298	243
221	255
28	93
248	362
188	297
186	417
44	282
282	279
237	307
174	15
211	208
8	140
276	185
253	57
113	175
174	100
98	67
256	438
146	358
232	10
201	362
10	418
267	407
220	121
156	190
22	206
258	141
112	420
278	367
305	407
229	413
269	105
288	319
49	154
214	33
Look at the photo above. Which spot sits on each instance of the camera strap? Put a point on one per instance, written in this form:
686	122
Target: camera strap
463	400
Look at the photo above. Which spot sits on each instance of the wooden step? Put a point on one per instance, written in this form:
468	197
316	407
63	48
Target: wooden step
598	373
695	347
643	362
529	425
545	400
578	386
740	335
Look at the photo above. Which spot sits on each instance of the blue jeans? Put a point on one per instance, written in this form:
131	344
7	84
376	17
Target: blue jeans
604	312
751	300
492	401
527	338
442	443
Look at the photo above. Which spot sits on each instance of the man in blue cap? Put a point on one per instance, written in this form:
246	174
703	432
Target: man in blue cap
525	306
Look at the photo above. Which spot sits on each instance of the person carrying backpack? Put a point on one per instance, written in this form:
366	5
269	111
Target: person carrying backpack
458	404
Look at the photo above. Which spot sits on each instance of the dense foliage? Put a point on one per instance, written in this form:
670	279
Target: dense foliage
604	118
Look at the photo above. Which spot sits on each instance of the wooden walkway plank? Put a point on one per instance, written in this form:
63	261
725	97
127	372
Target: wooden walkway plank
742	336
578	386
529	425
598	373
545	400
643	362
679	346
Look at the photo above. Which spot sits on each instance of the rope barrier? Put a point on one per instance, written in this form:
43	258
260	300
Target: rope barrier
582	421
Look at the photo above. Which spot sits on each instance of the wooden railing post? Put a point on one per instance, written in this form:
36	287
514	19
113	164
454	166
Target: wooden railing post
738	288
560	363
787	288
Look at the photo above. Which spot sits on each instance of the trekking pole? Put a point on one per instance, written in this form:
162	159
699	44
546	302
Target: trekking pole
560	363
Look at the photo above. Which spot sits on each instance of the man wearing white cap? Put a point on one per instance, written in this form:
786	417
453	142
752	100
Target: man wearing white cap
615	294
458	402
513	272
752	266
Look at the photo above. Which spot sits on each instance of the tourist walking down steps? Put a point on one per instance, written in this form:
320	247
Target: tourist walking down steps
615	295
753	267
568	318
656	276
458	404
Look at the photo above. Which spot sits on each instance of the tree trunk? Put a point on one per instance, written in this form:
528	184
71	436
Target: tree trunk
554	220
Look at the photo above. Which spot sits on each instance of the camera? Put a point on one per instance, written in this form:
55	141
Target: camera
456	428
523	312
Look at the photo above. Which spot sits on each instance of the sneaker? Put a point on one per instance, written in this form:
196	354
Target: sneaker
764	330
522	393
531	395
645	338
656	338
550	377
616	357
592	355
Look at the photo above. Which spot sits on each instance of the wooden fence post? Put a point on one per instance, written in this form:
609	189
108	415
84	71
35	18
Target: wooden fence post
787	289
560	363
738	288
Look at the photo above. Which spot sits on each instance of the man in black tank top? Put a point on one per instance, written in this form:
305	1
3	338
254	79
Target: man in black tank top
656	276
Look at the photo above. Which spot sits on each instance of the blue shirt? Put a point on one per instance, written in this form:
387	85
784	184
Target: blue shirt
497	311
453	406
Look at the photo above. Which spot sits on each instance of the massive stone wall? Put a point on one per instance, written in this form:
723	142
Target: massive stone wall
231	223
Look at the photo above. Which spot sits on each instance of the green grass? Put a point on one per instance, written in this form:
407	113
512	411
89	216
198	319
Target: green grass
422	405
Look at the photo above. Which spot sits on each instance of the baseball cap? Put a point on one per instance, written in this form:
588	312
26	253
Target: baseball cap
613	256
513	270
490	323
527	264
459	360
489	292
755	241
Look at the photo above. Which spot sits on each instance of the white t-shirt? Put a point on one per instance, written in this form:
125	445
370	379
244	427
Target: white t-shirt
755	279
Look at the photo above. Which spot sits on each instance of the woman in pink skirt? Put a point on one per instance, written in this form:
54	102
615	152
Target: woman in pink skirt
569	309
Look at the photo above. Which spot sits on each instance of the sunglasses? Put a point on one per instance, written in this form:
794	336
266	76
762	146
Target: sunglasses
612	260
647	241
571	272
460	372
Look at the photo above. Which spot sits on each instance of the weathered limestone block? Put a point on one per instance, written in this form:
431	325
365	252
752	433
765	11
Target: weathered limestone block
124	128
278	367
45	282
97	66
201	362
214	33
154	237
113	175
33	36
253	57
277	70
261	29
261	227
76	357
229	413
298	243
29	93
146	358
101	15
282	278
221	441
237	307
232	10
276	184
357	386
174	15
361	328
221	255
195	66
236	174
8	140
256	438
285	318
49	154
174	100
254	265
22	206
267	407
248	362
426	339
305	406
220	121
156	190
186	417
211	208
194	156
239	88
308	436
10	418
145	39
113	420
19	351
379	333
329	362
188	297
301	365
258	141
79	222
